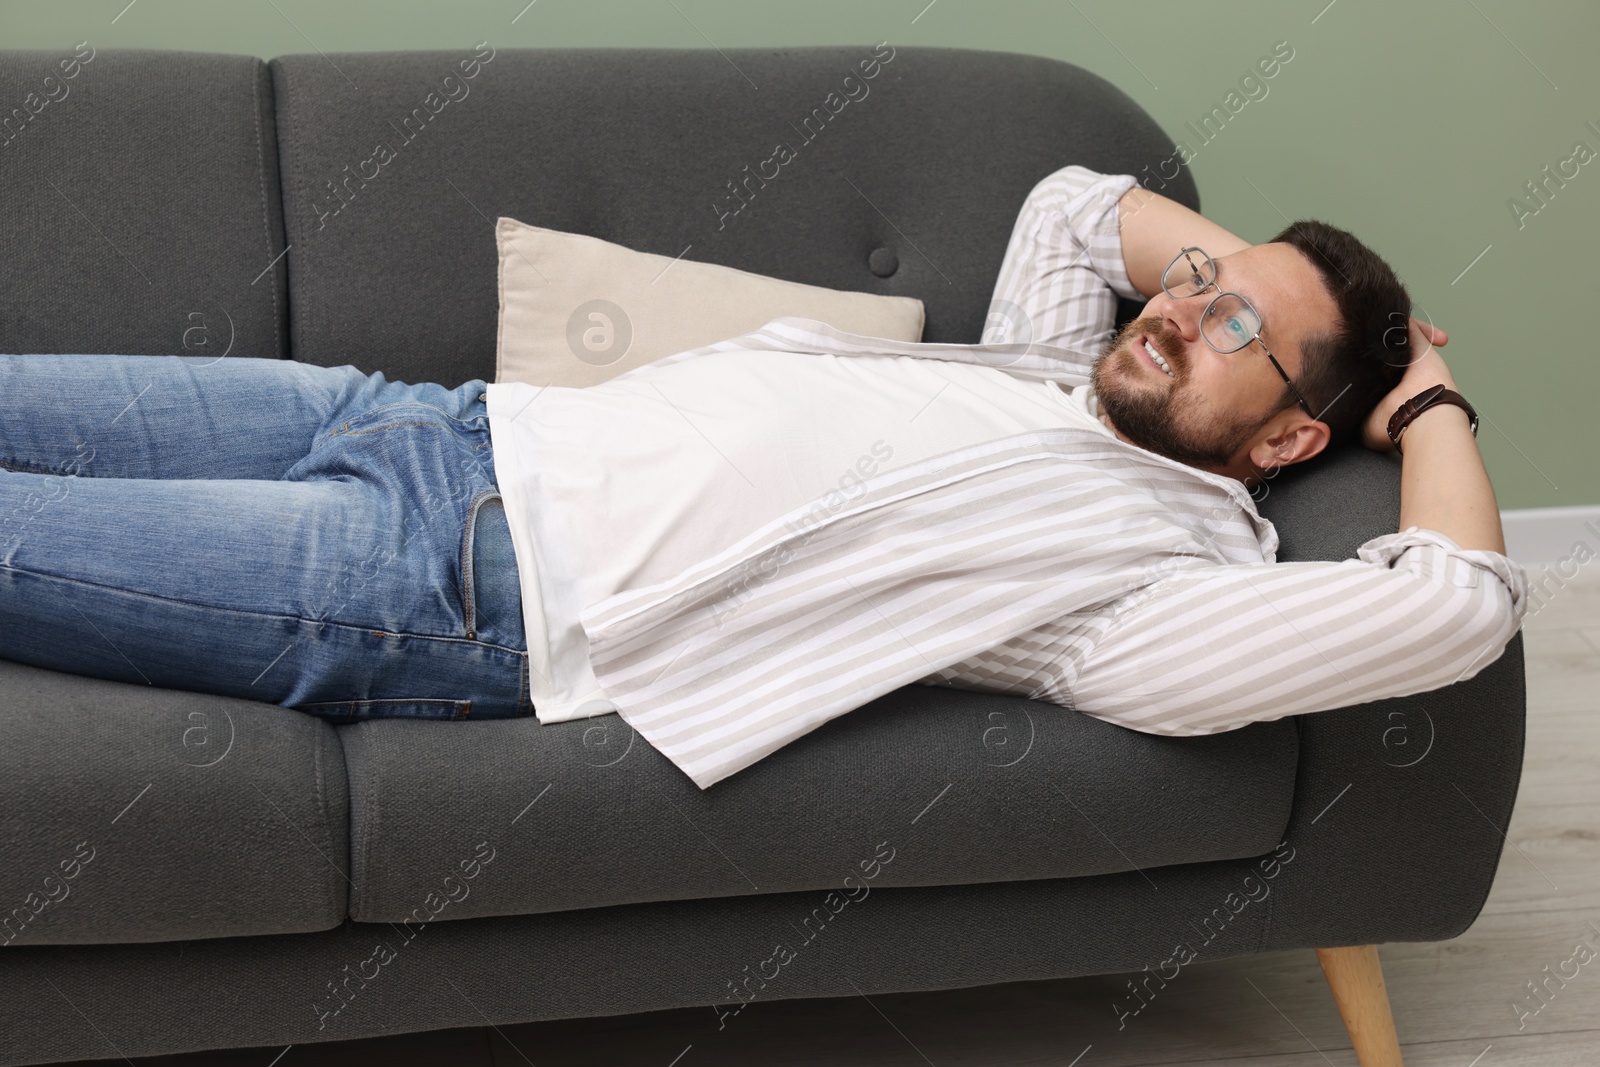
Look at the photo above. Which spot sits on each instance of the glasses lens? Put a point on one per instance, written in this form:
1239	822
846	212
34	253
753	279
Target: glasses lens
1230	323
1189	274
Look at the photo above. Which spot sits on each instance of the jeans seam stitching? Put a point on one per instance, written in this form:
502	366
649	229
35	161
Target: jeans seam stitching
379	700
254	614
24	467
376	429
470	424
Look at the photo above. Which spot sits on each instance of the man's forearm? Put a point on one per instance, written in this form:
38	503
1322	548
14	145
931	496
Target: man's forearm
1154	227
1443	483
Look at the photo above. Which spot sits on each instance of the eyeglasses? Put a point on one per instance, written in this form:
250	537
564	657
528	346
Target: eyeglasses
1228	323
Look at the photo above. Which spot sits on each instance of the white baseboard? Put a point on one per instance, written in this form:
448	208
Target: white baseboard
1548	535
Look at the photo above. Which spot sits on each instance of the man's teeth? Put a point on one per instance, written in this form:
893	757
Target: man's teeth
1160	362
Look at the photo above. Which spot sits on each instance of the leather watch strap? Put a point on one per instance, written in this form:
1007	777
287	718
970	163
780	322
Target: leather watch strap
1432	396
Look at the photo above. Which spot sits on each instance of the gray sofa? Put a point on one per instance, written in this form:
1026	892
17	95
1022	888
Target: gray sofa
183	872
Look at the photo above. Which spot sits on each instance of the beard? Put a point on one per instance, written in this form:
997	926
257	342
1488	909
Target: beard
1167	419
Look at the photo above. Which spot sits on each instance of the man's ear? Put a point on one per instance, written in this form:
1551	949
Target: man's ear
1295	441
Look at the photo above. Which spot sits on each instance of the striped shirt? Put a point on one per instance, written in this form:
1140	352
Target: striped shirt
1061	564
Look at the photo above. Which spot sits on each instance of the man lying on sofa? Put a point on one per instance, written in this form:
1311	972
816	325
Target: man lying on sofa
734	544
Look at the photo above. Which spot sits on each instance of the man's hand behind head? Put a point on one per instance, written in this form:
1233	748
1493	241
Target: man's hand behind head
1427	368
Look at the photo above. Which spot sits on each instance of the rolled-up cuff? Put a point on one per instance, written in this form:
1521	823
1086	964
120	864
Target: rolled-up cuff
1094	217
1428	552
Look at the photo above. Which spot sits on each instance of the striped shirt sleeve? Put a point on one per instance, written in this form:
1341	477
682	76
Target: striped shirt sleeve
1063	268
1213	648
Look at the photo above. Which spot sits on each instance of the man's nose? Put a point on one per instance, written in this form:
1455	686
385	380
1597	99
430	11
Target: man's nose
1182	314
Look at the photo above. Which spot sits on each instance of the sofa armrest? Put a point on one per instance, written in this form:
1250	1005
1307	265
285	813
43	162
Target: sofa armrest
1401	806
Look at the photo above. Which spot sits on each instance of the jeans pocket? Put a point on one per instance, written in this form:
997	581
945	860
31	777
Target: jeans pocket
346	711
489	584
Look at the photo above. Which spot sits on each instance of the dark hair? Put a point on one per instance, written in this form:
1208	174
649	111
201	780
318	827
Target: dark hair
1350	367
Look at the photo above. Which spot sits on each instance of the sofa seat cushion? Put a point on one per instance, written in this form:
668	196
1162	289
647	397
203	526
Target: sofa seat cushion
143	814
586	814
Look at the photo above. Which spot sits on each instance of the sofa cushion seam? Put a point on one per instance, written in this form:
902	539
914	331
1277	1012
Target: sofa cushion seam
319	784
266	222
372	812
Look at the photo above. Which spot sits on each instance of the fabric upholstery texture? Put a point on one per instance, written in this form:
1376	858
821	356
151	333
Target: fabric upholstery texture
201	815
216	910
142	208
1023	790
402	276
577	311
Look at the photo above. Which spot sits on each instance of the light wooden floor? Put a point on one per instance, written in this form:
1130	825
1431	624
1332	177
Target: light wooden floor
1452	1000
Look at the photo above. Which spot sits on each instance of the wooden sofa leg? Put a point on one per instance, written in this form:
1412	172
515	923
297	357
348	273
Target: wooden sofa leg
1356	978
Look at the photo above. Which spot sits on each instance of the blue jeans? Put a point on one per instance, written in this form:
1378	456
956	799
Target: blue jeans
313	537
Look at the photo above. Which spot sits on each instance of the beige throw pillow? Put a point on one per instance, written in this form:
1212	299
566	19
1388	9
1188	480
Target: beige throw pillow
576	310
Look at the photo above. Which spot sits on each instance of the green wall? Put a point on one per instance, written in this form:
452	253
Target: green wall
1410	124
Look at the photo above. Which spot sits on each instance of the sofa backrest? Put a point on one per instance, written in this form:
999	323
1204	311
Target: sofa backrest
141	211
911	160
144	210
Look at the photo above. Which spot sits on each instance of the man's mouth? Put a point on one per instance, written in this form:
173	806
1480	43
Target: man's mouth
1154	355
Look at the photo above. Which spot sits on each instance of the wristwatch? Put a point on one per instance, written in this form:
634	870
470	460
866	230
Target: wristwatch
1429	397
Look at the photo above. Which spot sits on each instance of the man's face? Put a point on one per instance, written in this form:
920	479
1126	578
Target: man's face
1214	410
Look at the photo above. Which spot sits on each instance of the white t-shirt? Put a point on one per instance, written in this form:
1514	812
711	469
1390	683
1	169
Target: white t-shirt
627	483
